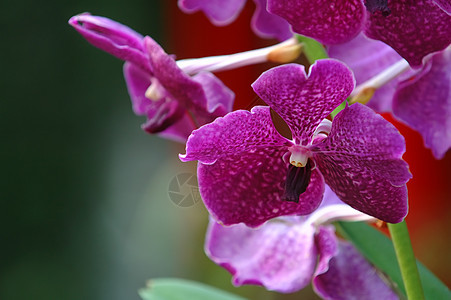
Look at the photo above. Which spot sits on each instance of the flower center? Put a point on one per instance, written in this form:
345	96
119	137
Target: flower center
299	156
298	179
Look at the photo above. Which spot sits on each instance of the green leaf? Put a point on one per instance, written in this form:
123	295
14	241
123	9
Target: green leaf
181	289
312	49
378	249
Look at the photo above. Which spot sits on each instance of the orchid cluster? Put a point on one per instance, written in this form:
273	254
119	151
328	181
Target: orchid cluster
273	196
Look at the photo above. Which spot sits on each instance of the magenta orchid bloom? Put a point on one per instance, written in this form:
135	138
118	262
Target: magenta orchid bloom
420	98
224	12
287	253
413	28
173	102
249	173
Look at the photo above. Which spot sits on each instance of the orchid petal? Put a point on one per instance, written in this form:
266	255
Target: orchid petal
444	4
361	162
424	103
279	255
268	25
112	37
413	29
327	244
219	12
351	276
238	132
304	101
248	187
329	22
367	58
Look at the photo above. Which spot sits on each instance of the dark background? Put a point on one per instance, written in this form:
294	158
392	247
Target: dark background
84	207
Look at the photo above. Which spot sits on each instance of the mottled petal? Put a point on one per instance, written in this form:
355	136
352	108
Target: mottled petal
351	276
444	4
279	255
238	132
304	101
248	187
177	84
268	25
424	103
329	22
219	12
327	245
361	162
413	28
219	96
367	58
112	37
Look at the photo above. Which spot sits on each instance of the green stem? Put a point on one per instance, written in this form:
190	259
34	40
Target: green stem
406	260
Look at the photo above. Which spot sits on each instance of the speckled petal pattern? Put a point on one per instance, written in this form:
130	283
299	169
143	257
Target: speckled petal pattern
304	101
329	22
237	132
367	58
248	188
444	4
112	37
268	25
413	29
219	12
424	103
279	255
351	276
361	162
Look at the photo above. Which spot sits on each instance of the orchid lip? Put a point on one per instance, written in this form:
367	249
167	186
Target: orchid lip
298	179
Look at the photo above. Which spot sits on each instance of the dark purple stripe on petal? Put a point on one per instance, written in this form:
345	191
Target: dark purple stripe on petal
378	5
298	179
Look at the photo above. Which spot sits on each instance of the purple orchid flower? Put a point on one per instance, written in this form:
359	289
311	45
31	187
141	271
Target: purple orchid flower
420	98
286	253
249	173
413	28
224	12
174	102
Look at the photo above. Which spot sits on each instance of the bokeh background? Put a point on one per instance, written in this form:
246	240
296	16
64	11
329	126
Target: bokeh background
85	211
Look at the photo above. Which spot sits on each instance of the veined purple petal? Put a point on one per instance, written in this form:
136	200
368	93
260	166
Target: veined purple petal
367	58
361	162
268	25
413	28
238	132
219	12
444	4
177	84
112	37
351	276
329	22
248	187
279	255
304	101
219	96
424	103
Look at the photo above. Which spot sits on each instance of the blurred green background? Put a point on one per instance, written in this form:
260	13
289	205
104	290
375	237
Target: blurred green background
85	212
